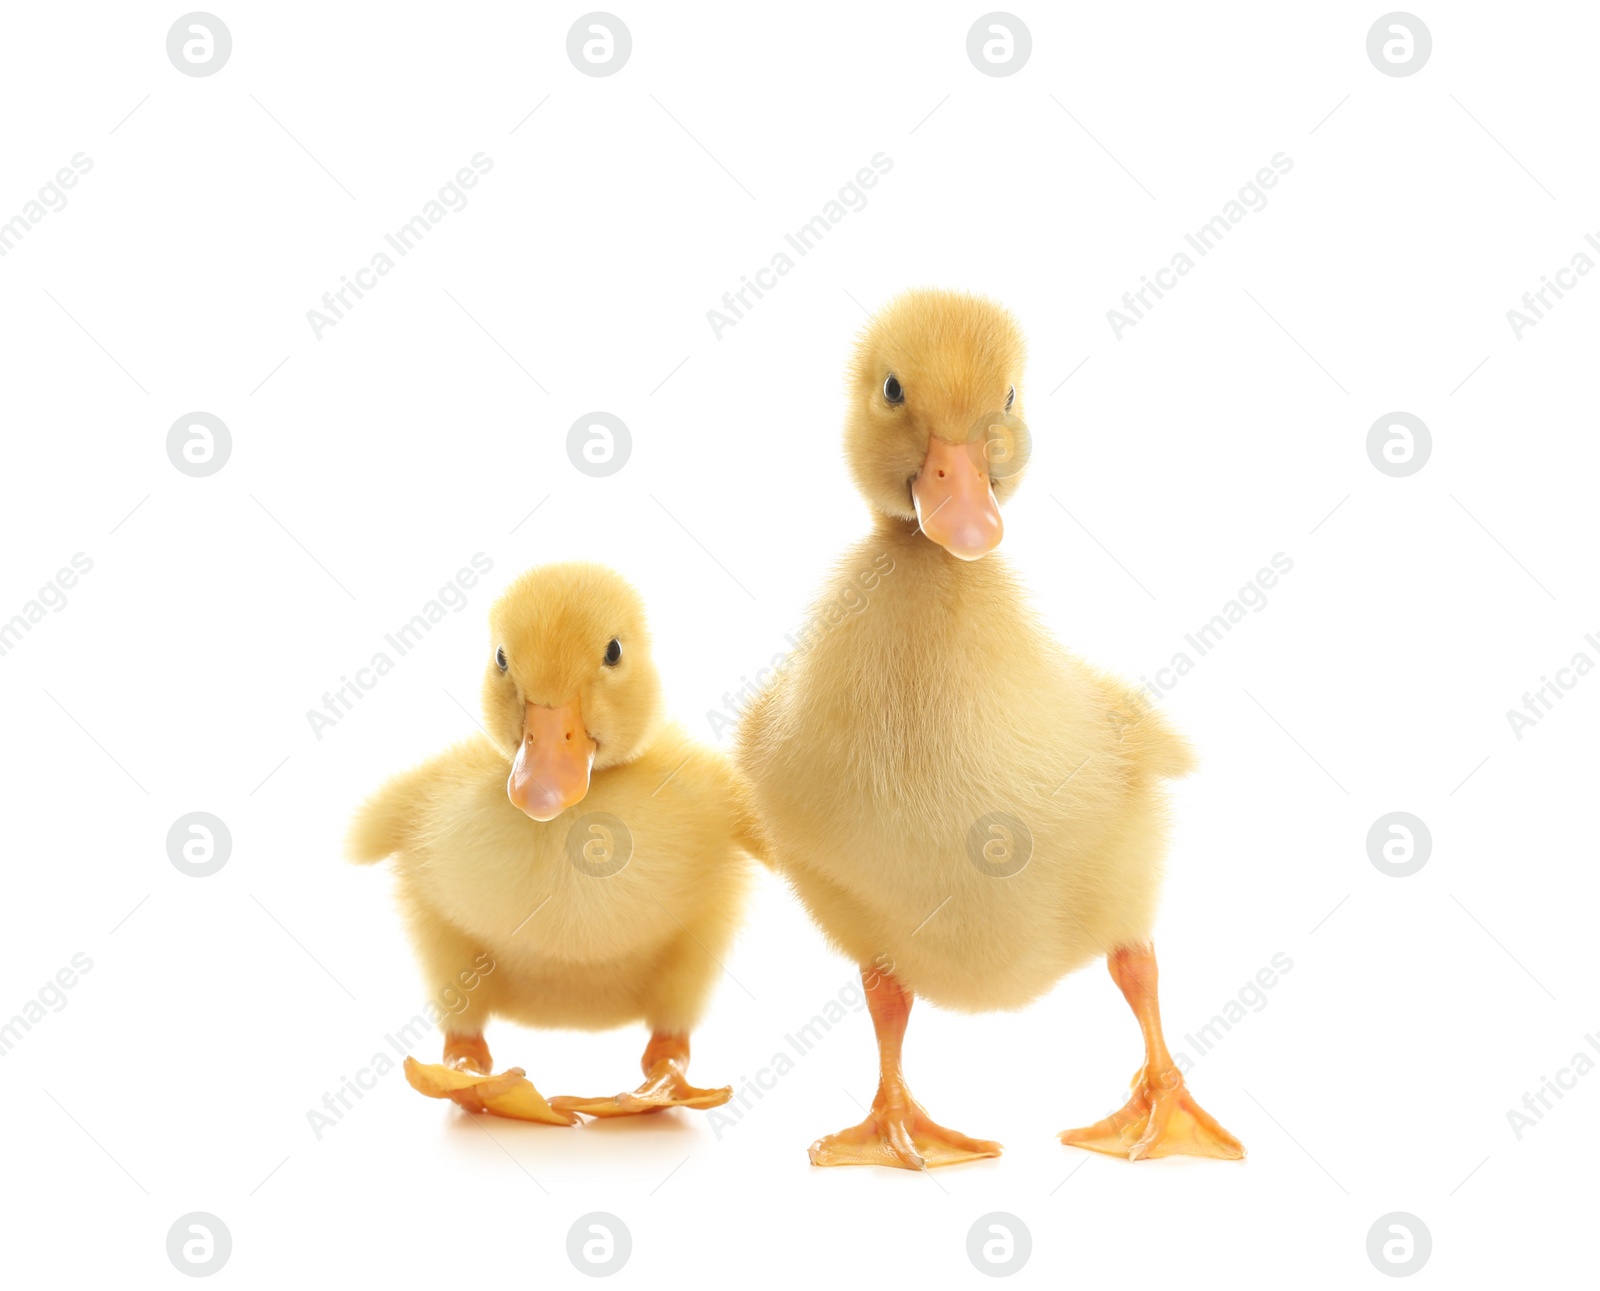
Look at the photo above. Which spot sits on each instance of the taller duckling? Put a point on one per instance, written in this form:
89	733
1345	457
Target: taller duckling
965	808
578	864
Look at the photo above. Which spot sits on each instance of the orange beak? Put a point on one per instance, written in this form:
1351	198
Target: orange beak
551	771
955	504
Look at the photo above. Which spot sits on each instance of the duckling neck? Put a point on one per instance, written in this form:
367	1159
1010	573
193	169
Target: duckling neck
937	573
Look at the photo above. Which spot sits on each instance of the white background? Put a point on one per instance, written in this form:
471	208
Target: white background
372	463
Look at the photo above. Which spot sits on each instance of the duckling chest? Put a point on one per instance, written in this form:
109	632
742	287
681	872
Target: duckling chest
585	888
921	713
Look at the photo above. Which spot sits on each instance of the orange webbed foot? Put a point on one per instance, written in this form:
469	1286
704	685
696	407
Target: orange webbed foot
653	1096
510	1094
897	1132
1161	1119
666	1084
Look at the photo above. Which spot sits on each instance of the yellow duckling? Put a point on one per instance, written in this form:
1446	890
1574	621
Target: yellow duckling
966	809
582	848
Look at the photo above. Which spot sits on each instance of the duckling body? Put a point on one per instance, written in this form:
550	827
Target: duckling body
578	865
963	806
896	746
573	948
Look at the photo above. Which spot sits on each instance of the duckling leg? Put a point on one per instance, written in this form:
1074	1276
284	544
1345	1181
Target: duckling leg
464	1078
896	1132
666	1084
1161	1119
467	1053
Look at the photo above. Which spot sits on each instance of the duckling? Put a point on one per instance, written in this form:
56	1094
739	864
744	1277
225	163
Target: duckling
966	809
578	863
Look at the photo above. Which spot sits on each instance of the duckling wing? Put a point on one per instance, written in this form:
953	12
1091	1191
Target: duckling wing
389	820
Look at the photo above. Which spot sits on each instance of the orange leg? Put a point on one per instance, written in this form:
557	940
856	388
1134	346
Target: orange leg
1161	1119
666	1084
463	1077
897	1132
467	1053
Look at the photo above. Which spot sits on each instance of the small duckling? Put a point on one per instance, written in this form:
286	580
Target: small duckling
584	849
965	808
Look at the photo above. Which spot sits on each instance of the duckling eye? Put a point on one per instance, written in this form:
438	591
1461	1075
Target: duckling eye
1011	397
613	653
892	390
500	658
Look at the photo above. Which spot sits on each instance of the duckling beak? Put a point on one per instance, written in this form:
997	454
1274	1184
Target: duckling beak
955	503
551	771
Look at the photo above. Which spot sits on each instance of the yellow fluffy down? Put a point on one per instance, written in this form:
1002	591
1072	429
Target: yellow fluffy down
939	729
478	877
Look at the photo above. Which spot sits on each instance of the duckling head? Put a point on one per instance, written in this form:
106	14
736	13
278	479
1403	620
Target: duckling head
570	686
934	431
